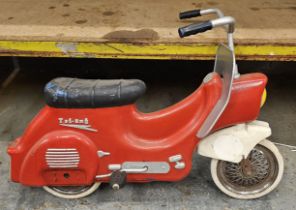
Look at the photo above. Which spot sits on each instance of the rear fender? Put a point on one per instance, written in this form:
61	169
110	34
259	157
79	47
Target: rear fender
61	157
233	143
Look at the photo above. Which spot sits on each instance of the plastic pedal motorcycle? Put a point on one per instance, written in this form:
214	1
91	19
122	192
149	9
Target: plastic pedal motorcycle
91	132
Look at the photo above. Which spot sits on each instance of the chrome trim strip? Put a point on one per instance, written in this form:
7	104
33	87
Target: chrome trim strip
62	158
61	149
62	153
68	166
57	165
135	170
62	161
82	127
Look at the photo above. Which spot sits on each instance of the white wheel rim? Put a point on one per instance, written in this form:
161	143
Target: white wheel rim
71	193
259	193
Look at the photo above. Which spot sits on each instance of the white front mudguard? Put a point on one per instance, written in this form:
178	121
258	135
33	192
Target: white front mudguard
233	143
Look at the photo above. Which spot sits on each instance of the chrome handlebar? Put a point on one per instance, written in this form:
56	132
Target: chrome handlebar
225	21
195	28
198	12
216	11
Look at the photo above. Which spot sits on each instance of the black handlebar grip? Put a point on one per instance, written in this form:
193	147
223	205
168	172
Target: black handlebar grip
195	29
189	14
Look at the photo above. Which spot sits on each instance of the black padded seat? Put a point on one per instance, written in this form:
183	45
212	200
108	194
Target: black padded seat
92	93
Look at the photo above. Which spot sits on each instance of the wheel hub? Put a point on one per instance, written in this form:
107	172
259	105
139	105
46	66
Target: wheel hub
250	171
247	168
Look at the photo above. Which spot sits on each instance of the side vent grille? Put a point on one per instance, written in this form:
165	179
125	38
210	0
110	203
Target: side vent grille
62	158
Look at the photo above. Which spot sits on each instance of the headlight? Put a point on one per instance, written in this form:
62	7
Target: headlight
263	97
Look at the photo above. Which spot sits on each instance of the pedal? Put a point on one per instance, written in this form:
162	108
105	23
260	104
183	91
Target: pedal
117	179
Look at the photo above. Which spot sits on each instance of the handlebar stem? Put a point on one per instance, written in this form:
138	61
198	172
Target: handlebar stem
230	23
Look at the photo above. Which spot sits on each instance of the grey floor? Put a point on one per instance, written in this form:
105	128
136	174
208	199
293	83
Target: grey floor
168	82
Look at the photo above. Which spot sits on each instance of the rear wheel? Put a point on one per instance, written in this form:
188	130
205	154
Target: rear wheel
253	177
72	192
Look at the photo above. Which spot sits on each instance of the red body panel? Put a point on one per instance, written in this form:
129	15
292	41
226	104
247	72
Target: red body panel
128	135
245	100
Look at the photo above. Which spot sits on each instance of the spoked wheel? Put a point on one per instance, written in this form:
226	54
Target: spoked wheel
253	177
72	192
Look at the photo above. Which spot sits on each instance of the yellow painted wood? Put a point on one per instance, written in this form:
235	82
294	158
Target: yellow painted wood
141	51
143	29
267	50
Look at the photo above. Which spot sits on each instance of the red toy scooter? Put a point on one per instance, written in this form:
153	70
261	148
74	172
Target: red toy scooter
91	132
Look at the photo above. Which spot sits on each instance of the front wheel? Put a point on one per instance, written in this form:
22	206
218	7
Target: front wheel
253	177
72	192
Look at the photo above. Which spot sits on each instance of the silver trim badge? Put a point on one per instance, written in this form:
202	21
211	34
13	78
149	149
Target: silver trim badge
102	153
82	124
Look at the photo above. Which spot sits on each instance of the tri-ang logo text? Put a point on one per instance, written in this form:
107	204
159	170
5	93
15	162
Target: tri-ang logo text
82	124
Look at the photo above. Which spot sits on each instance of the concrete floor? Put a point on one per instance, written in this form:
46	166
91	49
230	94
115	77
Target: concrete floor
168	82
